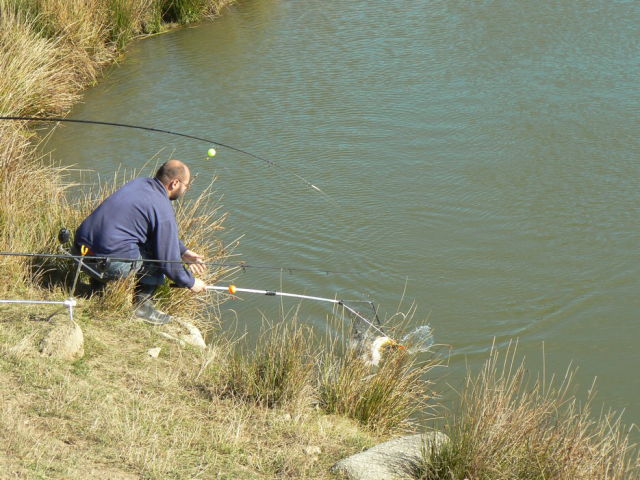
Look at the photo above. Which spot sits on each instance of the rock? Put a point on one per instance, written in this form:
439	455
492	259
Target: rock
64	341
388	460
184	333
194	337
154	352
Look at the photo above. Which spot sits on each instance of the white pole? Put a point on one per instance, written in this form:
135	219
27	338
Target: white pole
69	303
232	289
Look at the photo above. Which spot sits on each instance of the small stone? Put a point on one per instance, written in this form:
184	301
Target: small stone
312	450
194	337
184	333
154	352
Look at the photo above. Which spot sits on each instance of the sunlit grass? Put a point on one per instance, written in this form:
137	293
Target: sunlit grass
383	400
509	426
117	411
277	371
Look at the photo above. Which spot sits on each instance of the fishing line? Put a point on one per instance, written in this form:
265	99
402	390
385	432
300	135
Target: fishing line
169	132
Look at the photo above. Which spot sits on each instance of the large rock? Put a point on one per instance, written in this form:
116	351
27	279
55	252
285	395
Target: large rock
64	341
389	460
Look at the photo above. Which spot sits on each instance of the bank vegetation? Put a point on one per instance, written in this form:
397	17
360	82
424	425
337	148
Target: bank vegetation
286	406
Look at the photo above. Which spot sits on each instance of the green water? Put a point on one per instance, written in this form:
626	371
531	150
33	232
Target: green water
481	158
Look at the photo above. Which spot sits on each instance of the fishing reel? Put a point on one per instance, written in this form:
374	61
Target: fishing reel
64	236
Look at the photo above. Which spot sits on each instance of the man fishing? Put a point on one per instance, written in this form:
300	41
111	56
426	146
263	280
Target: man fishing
138	222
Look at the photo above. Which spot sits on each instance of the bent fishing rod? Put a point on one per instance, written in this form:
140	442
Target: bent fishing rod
232	290
168	132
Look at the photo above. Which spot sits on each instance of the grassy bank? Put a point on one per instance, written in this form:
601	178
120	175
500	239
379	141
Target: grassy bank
49	51
219	413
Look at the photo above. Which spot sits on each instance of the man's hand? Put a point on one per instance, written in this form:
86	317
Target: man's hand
198	286
195	261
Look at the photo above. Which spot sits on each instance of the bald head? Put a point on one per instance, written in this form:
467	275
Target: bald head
173	170
175	177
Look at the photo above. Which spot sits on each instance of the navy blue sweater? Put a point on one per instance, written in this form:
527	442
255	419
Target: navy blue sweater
138	216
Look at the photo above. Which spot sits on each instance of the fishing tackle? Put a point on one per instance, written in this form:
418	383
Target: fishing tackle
68	303
169	132
232	289
383	340
81	259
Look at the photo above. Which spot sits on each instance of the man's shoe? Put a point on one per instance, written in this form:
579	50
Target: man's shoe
147	312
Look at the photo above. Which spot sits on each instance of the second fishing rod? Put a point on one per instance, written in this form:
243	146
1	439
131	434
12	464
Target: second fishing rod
211	152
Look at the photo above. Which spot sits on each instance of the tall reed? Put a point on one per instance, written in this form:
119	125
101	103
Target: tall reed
36	76
277	371
291	367
506	427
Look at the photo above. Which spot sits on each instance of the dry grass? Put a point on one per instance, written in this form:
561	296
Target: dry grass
188	414
36	76
32	207
122	414
508	428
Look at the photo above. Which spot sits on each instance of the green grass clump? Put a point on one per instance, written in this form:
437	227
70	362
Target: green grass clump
184	11
277	371
382	400
506	427
289	367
